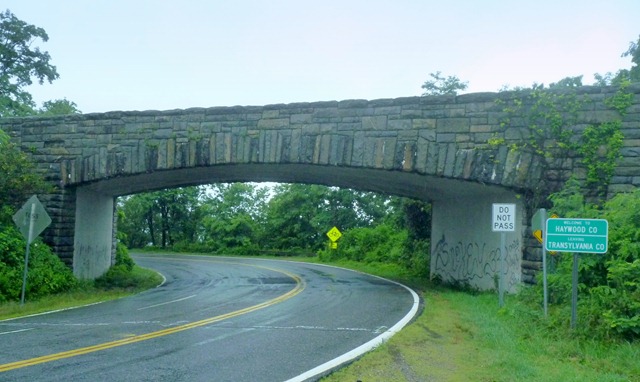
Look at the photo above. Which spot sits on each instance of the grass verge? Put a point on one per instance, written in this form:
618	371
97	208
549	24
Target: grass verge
463	336
87	292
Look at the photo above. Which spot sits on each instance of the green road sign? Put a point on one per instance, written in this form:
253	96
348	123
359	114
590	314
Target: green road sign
577	235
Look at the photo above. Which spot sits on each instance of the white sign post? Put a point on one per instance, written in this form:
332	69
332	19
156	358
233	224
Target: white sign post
504	220
32	219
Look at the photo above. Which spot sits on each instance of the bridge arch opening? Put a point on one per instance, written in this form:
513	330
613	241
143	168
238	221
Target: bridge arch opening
463	247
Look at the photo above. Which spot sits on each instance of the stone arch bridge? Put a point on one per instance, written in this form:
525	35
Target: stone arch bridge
430	148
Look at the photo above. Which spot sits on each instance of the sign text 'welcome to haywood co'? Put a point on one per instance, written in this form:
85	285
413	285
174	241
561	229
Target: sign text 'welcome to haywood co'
577	235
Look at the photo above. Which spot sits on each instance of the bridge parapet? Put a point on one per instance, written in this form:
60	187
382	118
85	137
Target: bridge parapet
441	136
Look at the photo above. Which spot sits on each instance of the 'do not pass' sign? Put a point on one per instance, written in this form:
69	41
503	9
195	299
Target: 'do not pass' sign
504	218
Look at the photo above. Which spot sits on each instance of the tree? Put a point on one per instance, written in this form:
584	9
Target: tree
567	82
19	178
20	64
633	74
136	220
226	200
302	214
232	214
440	85
161	217
289	216
58	107
623	75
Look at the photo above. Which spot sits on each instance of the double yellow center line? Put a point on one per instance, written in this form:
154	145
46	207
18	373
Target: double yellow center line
143	337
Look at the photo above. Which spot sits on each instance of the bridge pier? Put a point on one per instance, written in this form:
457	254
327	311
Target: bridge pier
465	250
93	240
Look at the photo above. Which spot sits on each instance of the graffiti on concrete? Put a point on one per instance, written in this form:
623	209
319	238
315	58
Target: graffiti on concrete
476	263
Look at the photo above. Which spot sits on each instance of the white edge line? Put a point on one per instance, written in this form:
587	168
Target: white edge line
167	302
366	347
51	311
164	279
16	331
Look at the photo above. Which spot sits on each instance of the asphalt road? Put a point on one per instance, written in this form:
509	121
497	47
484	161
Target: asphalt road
214	319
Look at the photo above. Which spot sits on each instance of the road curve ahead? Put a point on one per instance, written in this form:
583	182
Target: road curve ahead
213	319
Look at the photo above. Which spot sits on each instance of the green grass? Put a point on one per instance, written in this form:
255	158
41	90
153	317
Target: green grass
85	293
466	337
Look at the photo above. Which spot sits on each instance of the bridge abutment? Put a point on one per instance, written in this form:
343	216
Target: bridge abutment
93	241
465	250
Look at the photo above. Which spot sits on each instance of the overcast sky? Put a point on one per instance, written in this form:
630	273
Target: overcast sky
160	54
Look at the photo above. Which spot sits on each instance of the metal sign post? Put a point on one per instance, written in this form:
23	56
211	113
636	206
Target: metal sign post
504	220
545	290
574	291
538	226
576	236
502	269
26	254
31	219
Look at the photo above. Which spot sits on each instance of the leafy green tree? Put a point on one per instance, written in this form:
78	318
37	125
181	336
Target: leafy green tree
347	208
231	216
236	234
20	64
19	179
289	216
58	107
302	214
440	85
136	220
632	74
623	75
161	218
567	82
179	214
603	79
225	200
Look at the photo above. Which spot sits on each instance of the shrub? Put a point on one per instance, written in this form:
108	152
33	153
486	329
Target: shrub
120	273
47	273
609	284
123	258
381	244
619	294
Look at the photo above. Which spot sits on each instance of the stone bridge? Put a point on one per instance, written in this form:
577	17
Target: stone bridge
430	148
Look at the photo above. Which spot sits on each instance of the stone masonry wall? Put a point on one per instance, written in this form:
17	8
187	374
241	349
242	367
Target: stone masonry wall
445	136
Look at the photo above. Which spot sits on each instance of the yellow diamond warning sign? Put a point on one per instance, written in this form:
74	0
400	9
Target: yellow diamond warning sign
334	234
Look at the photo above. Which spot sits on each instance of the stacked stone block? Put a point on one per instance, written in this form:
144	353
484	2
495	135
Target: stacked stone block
445	136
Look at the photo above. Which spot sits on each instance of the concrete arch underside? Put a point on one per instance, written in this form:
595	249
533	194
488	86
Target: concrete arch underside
464	248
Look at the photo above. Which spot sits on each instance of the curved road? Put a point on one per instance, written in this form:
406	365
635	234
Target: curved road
213	319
